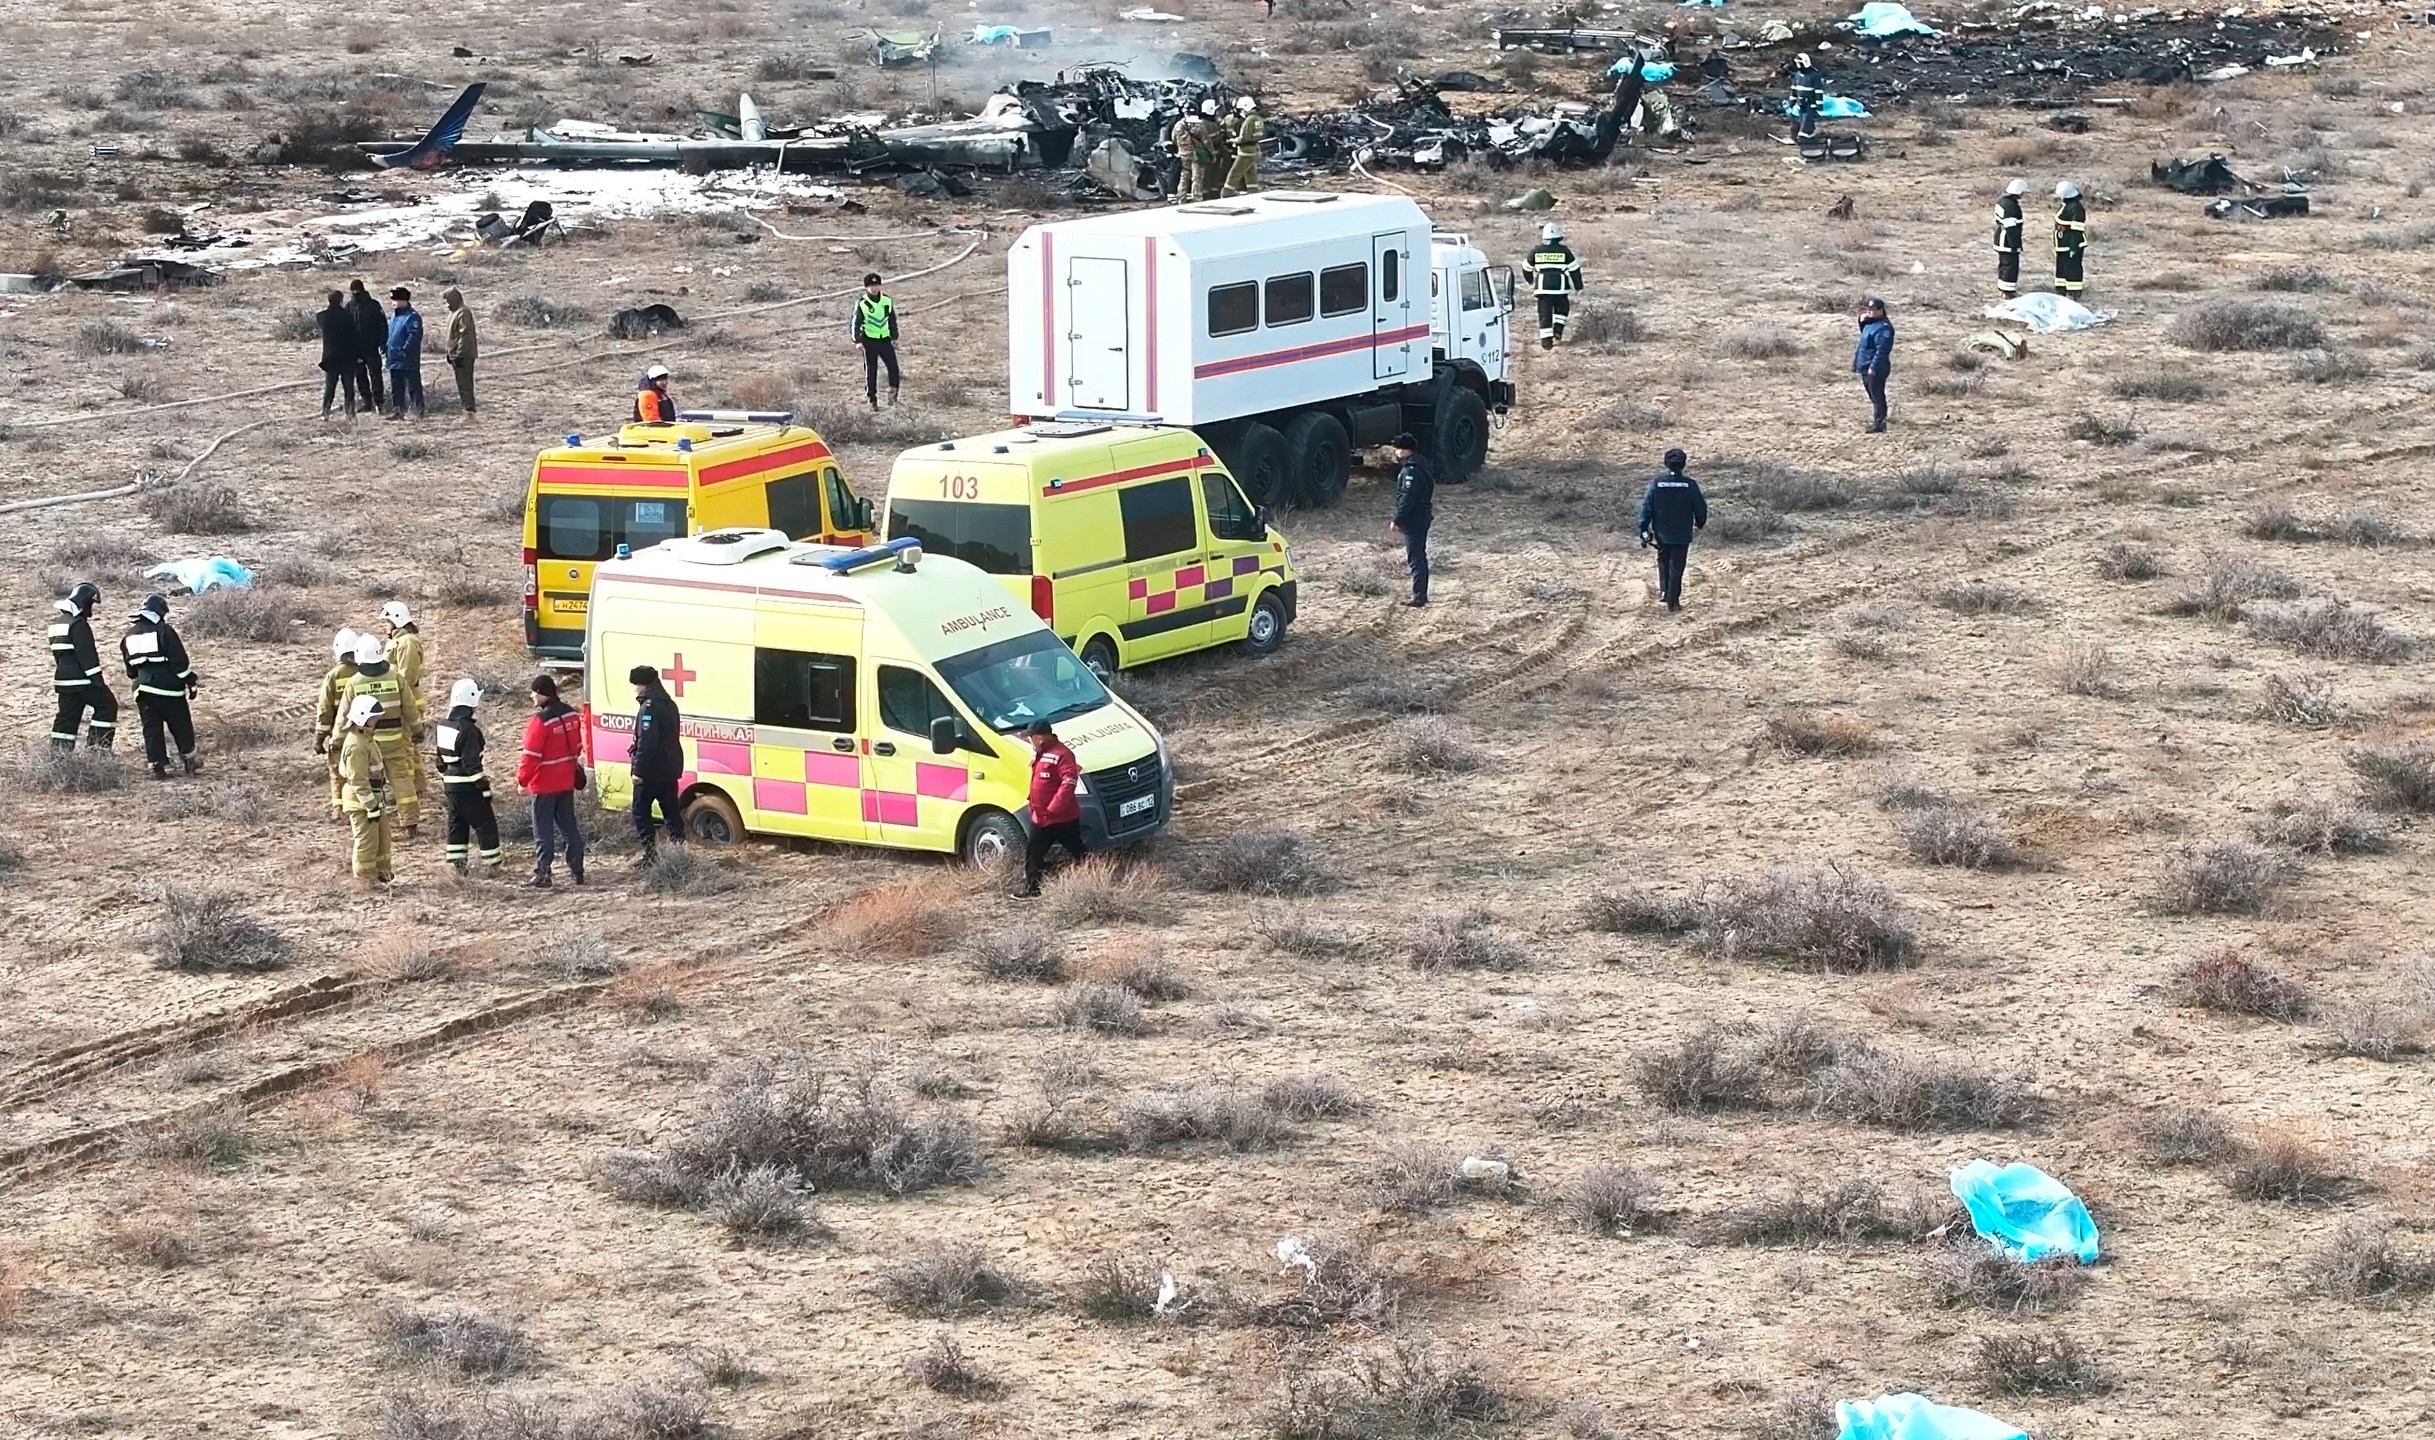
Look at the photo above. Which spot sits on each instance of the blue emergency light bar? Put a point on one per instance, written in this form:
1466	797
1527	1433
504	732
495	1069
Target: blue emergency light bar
903	551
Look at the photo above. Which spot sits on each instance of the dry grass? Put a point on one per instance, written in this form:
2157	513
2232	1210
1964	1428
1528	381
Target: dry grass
214	1139
1144	969
2086	670
1639	913
683	870
1959	835
951	1278
198	509
152	1243
2400	778
1806	1414
1104	890
2284	1168
2227	323
2309	704
761	1204
1102	1009
1812	1212
2332	629
38	769
451	1339
1337	1282
2230	586
1802	733
1465	940
906	919
207	930
2038	1362
1238	1120
2129	560
2317	822
1615	1200
1810	919
1410	1395
2364	1261
2222	877
261	614
1412	1175
2378	1030
1981	597
1269	862
1425	746
2230	983
1912	1094
1310	1096
1712	1069
943	1366
2182	1135
1020	951
1975	1274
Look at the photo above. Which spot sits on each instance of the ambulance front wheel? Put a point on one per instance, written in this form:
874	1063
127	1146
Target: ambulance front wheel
1099	656
1267	629
992	838
712	819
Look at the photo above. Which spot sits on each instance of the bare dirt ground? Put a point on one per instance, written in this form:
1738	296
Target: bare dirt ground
2103	663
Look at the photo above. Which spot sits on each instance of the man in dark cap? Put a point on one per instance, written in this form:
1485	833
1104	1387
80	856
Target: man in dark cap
1415	508
1671	512
405	352
657	761
1873	359
1056	803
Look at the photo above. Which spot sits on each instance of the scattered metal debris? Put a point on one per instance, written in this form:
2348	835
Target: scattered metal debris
2210	176
2260	207
641	322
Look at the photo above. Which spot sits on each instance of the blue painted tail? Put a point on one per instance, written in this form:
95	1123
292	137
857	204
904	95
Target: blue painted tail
428	152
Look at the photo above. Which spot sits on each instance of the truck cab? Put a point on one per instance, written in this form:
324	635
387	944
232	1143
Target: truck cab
1471	313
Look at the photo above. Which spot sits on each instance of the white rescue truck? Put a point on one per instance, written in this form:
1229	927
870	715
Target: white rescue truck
1287	328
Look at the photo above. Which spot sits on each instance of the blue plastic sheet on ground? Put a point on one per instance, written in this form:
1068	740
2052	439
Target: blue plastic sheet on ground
1711	4
1880	20
2025	1212
198	573
994	34
1915	1417
1835	107
1656	72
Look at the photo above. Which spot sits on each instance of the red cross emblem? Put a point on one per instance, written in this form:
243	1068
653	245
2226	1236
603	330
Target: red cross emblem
676	674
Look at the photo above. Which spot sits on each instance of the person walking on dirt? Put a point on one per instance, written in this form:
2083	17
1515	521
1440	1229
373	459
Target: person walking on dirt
363	774
1808	97
551	771
1671	512
404	348
1873	359
165	683
457	745
1056	804
1415	508
463	344
76	673
2008	238
657	762
875	332
340	364
371	345
2071	241
333	706
1555	278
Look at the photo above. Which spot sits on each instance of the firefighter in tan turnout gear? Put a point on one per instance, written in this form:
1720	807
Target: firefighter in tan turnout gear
1555	277
1245	131
363	770
1196	139
376	677
333	711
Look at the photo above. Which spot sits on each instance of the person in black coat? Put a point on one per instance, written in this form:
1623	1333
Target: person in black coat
371	342
1671	512
339	367
1415	509
657	760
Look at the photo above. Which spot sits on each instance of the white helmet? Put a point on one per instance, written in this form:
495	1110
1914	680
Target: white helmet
342	645
1246	104
656	372
1551	231
2017	187
396	613
2067	191
362	710
1801	60
369	651
464	692
1209	106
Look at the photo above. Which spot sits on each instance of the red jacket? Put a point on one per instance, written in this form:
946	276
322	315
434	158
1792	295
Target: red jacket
1055	775
553	748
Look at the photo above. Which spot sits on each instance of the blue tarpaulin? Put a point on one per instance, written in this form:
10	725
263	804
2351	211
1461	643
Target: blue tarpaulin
1835	107
2025	1212
1656	72
1879	20
1915	1417
199	573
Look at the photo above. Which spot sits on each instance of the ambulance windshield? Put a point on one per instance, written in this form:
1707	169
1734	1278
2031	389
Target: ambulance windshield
1019	680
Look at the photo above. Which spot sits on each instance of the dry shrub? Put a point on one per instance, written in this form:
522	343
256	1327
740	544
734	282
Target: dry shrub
2317	822
1908	1093
2129	560
2169	385
2334	629
2368	530
1102	1008
1105	891
1770	488
1639	913
761	1204
950	1278
2228	588
153	1243
643	1410
1413	1175
1237	1120
1310	1096
1605	326
1811	1211
2222	877
212	1139
943	1366
2104	429
2398	777
2086	670
1266	862
539	312
2184	1135
2362	1261
1410	1395
1710	1070
907	919
2277	521
1120	1289
107	337
586	955
1427	746
2285	1168
1021	951
1144	969
1465	940
1339	1282
1807	1414
682	870
1759	342
1810	919
1981	597
1977	1274
2226	323
2310	704
198	510
1961	835
2375	1030
1802	733
1291	934
452	1339
262	614
203	930
1615	1200
2038	1362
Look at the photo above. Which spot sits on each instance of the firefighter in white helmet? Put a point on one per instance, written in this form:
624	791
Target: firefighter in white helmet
1245	130
363	770
374	676
457	742
2071	240
1555	278
326	725
404	647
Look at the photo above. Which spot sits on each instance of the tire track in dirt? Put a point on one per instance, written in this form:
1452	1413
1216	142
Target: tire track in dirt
45	1075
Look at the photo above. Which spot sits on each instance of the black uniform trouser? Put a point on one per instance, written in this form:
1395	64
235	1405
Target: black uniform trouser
471	817
1670	562
1045	837
74	701
2068	266
1555	311
874	354
1805	124
1416	558
2007	270
1873	381
169	713
332	381
660	793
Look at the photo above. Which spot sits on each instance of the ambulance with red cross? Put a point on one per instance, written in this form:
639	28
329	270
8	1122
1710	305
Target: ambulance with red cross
874	695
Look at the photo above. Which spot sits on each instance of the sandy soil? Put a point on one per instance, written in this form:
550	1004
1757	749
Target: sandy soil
427	1105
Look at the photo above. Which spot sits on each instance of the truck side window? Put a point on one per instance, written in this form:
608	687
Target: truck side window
1158	519
1234	309
1344	289
1289	298
908	702
794	507
1230	515
843	510
1476	295
1390	274
800	690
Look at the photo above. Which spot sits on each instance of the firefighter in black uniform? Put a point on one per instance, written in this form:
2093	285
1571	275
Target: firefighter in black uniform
1808	94
76	673
2071	240
875	332
1555	277
164	683
2008	237
458	741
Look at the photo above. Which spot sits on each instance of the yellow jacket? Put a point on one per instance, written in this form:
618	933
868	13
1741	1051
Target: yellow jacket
330	685
405	652
399	713
360	770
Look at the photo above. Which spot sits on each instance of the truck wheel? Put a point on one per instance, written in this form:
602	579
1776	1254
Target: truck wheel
1099	656
991	839
1264	467
712	819
1462	435
1322	457
1267	626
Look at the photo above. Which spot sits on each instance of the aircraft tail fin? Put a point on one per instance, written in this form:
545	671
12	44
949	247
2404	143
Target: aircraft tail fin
428	152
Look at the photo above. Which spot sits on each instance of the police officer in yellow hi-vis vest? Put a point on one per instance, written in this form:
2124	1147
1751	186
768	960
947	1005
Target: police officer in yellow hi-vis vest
393	731
875	332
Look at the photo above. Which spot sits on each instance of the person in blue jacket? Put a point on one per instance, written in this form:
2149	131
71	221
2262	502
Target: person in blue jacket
405	355
1671	512
1873	360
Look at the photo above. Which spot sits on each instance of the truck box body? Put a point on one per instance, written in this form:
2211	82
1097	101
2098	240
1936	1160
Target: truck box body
1201	313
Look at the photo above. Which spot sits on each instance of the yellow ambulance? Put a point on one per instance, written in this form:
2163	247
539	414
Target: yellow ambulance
707	470
1131	541
874	695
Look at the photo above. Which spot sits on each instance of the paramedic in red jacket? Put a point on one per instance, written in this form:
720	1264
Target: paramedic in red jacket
1056	805
551	770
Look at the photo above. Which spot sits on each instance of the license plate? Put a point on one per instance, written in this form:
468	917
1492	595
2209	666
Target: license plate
1135	806
571	604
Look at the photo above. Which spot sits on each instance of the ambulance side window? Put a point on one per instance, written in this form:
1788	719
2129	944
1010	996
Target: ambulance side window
794	507
844	510
1158	519
801	690
908	702
571	528
1230	515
